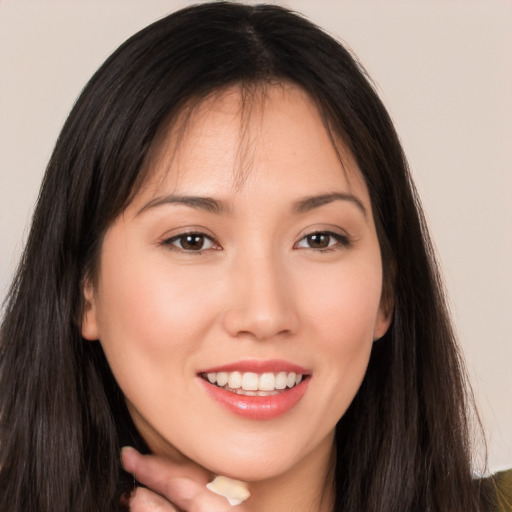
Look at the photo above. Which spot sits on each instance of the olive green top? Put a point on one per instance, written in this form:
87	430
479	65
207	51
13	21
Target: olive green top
496	492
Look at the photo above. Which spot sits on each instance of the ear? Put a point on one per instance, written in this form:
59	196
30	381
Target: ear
89	316
384	317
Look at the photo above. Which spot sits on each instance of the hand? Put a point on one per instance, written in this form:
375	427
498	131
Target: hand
171	487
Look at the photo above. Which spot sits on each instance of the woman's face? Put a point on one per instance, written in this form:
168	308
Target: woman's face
250	256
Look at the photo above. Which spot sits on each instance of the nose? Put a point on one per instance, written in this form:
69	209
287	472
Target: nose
262	302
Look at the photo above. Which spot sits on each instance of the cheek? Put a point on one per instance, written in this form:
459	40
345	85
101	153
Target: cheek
344	306
341	313
152	322
149	305
152	319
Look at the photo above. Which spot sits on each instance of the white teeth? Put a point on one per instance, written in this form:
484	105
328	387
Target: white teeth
234	380
254	384
222	378
250	381
281	380
267	382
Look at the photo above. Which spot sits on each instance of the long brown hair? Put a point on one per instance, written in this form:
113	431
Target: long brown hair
403	445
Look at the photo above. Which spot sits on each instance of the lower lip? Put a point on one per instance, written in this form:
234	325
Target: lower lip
258	407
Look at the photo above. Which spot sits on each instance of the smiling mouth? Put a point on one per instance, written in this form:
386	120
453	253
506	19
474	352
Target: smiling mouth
254	384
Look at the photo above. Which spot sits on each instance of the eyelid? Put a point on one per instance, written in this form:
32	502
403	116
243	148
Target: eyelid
344	240
168	239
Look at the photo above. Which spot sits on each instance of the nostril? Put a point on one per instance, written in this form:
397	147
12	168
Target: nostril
251	324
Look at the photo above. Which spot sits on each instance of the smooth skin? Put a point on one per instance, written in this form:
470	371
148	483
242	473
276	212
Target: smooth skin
250	240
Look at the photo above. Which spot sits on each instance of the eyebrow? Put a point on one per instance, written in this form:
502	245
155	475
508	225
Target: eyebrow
207	204
211	205
310	203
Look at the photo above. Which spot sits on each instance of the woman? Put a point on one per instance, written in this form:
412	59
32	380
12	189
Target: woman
236	278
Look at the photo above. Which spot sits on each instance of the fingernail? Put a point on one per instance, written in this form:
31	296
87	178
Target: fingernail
235	491
125	450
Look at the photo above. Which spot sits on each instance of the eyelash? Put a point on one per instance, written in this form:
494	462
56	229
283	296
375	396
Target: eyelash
170	242
340	241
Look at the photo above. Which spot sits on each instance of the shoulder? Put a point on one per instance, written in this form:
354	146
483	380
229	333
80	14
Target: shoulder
496	492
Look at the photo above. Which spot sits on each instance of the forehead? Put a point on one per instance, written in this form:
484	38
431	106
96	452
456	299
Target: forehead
223	142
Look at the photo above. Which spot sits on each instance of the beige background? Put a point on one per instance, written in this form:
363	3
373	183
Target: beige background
444	70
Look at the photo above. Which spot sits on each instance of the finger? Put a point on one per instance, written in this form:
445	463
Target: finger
188	495
144	500
185	487
152	468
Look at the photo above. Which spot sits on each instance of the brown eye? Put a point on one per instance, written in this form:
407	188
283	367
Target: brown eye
322	240
318	240
191	242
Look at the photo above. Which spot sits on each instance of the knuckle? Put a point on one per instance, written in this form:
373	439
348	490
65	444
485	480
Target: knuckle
145	500
206	503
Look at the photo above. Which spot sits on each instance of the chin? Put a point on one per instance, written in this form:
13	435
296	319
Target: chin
250	470
253	465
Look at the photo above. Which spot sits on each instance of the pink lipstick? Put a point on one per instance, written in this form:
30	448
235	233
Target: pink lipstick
255	389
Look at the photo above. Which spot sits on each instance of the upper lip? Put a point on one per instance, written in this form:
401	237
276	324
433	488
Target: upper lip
258	366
